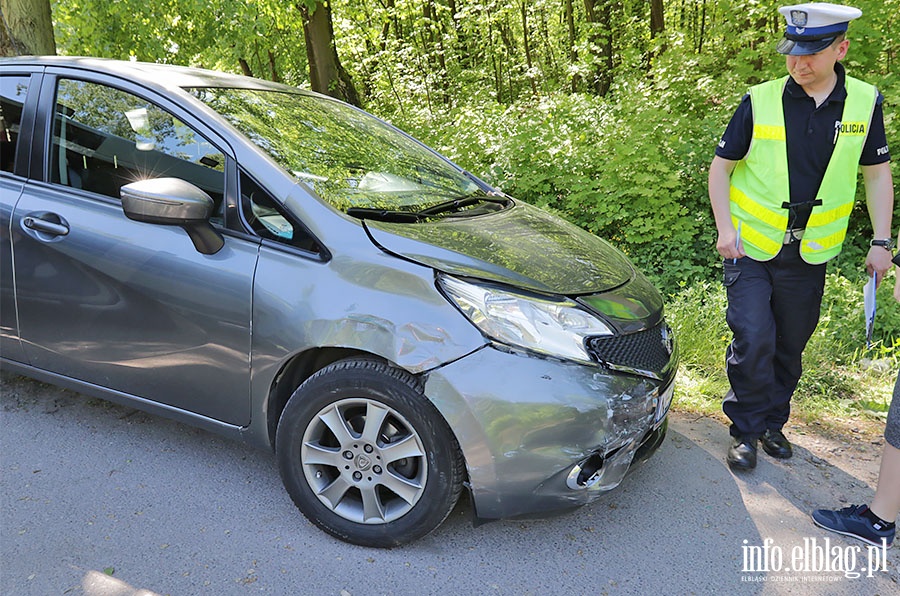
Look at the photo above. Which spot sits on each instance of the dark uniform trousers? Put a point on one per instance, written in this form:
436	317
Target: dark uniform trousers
773	310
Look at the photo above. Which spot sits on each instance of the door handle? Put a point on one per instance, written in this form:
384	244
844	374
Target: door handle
42	225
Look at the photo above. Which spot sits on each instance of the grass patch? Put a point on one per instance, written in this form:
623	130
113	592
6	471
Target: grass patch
844	381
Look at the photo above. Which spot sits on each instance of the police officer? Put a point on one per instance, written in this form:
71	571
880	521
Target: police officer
782	185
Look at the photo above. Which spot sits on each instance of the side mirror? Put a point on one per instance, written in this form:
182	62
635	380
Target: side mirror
173	202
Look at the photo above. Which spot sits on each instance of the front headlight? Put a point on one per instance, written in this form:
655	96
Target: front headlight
554	327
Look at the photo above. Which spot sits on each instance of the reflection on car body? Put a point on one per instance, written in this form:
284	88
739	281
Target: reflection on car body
282	268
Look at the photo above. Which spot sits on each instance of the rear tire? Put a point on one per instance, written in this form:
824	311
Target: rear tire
366	457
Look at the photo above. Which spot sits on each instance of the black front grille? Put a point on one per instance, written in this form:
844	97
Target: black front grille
648	350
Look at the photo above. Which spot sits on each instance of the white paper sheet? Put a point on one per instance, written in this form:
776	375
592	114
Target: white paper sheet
869	306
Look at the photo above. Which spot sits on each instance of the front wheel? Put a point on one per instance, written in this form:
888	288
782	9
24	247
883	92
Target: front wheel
366	457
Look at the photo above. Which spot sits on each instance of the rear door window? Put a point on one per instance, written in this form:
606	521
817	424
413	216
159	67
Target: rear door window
12	97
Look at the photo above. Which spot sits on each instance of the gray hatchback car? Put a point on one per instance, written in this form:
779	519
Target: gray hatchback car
285	269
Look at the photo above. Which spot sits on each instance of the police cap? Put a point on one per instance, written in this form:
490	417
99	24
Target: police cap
814	26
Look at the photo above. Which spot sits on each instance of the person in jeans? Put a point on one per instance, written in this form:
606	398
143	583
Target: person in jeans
874	523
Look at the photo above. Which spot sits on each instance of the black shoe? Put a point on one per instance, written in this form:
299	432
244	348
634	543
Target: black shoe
775	444
741	454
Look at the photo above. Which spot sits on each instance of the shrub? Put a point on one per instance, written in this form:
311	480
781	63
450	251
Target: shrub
833	380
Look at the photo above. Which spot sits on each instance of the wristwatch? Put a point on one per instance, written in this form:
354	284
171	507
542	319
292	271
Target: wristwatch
886	244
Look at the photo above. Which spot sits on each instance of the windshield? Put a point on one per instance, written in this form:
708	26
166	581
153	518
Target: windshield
351	159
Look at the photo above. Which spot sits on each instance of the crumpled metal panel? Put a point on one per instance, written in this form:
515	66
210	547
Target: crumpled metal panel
523	422
366	300
522	246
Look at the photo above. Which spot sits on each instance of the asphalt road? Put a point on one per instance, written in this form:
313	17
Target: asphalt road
101	500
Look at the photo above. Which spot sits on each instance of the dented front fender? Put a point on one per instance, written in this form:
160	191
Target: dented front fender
524	423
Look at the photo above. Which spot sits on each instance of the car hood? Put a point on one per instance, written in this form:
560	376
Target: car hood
522	246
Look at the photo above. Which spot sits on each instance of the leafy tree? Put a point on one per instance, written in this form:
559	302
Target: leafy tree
257	37
326	75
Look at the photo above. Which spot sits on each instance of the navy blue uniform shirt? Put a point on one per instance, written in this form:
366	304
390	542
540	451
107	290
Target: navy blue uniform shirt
809	132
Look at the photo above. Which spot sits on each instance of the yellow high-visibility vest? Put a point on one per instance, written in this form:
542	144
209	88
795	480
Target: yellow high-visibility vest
760	183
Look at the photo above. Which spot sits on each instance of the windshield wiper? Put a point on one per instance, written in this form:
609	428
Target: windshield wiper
459	204
396	216
384	214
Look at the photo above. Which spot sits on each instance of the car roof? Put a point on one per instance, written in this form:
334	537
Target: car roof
163	75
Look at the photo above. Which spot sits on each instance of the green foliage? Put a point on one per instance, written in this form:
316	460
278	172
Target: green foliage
630	165
840	337
628	173
840	375
697	316
216	34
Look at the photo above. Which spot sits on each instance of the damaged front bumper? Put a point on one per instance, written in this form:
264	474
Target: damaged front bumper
540	435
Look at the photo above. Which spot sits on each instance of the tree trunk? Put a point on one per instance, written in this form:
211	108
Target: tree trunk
657	18
657	28
495	66
326	75
433	47
273	70
573	53
26	28
386	27
702	29
548	42
527	45
599	15
462	42
245	67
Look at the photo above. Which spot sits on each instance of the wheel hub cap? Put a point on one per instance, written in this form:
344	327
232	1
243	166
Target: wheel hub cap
364	461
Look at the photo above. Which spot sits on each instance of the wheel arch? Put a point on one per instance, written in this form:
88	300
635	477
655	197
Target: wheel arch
294	372
305	364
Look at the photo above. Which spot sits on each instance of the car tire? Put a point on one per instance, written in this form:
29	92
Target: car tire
366	456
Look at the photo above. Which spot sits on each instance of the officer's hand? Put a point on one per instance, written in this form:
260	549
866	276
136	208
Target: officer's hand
878	261
728	246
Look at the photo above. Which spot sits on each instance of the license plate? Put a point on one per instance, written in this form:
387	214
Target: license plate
665	400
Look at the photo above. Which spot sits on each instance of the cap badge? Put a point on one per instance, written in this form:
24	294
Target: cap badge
799	18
